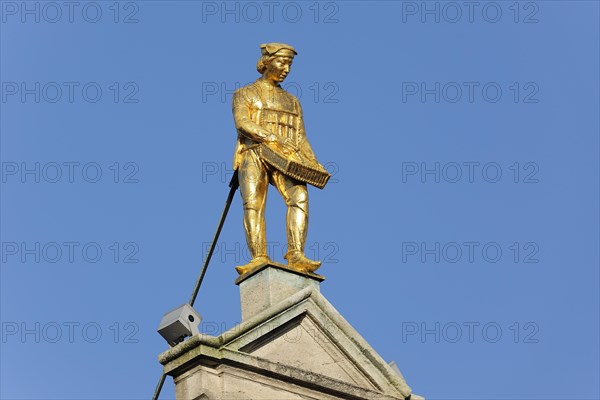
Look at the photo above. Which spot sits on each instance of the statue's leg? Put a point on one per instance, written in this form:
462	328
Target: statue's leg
254	182
295	195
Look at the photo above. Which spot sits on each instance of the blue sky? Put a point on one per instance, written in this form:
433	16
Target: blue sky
459	233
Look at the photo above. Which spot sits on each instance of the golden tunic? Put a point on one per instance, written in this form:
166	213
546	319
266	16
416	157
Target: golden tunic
261	109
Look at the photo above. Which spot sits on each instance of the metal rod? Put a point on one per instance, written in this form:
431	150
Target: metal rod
233	185
159	386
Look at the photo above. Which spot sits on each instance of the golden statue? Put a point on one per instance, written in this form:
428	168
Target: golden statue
272	148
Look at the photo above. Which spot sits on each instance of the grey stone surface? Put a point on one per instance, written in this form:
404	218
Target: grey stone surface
292	345
269	286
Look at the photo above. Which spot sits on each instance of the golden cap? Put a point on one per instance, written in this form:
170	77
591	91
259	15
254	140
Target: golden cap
270	49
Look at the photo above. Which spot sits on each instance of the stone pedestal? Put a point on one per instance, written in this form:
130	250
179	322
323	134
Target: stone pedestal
270	284
291	344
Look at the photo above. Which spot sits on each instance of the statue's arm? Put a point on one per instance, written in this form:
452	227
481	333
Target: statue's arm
305	147
243	123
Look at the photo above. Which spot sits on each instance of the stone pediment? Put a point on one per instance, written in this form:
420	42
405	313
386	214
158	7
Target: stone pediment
302	343
294	346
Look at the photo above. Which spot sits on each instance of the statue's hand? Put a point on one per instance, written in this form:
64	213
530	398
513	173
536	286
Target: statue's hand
274	139
283	144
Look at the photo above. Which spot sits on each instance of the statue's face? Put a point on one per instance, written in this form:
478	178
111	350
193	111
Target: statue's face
279	69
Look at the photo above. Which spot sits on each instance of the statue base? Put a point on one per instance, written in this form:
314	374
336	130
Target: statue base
269	284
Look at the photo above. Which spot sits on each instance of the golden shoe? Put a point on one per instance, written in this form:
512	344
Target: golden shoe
255	262
298	261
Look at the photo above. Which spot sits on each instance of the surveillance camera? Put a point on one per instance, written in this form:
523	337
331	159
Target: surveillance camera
179	323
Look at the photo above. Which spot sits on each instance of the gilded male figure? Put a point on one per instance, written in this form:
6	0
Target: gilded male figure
265	113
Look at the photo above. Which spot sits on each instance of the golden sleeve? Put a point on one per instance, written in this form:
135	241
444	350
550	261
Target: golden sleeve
304	147
241	108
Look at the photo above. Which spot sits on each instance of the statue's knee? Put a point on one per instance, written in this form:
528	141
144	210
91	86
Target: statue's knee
251	200
299	199
251	206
